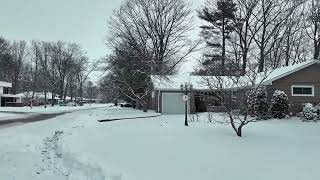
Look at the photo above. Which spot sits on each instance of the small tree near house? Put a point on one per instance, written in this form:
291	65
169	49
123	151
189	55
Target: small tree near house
239	111
279	104
241	115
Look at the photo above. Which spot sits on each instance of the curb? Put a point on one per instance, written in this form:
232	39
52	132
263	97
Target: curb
118	119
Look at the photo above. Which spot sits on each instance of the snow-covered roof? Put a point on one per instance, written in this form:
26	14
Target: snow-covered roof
5	84
40	95
10	96
173	82
285	71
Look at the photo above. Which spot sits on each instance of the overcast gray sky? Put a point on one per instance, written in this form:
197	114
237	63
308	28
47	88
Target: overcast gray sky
81	21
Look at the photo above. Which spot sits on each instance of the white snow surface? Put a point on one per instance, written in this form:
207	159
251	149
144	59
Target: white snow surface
5	84
51	109
6	115
75	146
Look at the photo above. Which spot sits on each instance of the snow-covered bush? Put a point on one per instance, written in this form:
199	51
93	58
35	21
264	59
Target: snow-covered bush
318	112
318	108
279	104
261	105
251	102
309	112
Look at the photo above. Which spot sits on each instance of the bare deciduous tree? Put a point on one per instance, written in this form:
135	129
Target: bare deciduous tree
159	29
18	53
147	37
313	27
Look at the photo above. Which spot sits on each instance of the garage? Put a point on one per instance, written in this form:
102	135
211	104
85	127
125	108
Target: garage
172	103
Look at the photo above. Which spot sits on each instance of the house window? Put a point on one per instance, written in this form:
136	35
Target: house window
302	90
5	90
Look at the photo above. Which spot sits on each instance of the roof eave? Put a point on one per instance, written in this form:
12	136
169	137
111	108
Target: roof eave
269	82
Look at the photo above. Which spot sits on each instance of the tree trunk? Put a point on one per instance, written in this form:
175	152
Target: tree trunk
287	50
316	51
53	99
145	107
80	91
261	60
61	93
223	47
239	132
244	64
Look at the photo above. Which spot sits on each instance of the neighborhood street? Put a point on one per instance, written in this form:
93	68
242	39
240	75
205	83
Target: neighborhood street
32	117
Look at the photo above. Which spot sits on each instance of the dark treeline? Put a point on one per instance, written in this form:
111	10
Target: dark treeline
261	34
61	68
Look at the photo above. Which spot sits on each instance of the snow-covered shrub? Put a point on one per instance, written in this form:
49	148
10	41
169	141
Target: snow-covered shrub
318	108
299	114
251	102
309	112
279	104
318	112
261	105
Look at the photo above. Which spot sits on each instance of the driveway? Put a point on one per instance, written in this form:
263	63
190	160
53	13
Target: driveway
28	119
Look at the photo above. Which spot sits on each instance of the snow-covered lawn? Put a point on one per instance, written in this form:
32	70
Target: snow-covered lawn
77	147
2	115
50	109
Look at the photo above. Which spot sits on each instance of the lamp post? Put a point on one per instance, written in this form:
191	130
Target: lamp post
186	89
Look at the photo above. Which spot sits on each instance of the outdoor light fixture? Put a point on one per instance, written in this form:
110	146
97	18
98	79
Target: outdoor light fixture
186	89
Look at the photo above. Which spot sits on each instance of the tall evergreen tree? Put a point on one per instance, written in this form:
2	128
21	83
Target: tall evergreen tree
220	22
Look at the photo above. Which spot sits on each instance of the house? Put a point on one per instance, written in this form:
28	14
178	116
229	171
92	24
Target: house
7	99
301	82
38	98
167	97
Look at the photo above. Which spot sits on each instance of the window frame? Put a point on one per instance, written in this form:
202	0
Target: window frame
303	86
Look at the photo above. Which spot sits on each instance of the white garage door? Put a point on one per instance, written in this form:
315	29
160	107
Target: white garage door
172	103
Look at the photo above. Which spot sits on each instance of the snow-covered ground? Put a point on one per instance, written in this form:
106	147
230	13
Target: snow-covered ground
3	115
50	109
7	116
77	147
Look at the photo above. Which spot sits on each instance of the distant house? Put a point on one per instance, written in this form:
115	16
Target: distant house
7	99
38	98
301	82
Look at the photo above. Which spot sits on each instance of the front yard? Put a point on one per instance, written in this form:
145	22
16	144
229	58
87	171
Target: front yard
75	146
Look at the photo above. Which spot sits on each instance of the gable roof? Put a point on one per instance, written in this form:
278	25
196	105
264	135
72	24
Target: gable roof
173	82
285	71
5	84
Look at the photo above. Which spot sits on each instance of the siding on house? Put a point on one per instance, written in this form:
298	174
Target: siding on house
306	76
